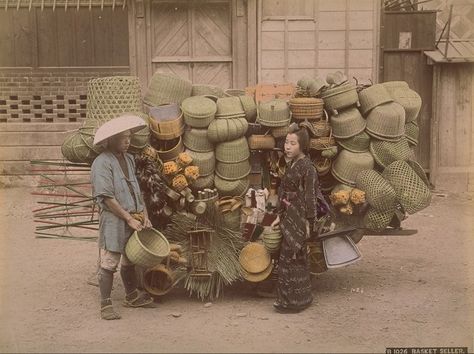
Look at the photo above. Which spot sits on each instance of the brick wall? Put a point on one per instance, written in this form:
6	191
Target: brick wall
41	95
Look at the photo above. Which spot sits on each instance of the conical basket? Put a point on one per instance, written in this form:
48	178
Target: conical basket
348	164
347	123
378	191
233	151
373	96
197	140
167	88
386	152
387	120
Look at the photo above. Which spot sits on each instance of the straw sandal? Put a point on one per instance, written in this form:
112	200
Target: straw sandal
138	300
107	312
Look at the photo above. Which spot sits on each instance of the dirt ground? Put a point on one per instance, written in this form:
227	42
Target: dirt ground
406	291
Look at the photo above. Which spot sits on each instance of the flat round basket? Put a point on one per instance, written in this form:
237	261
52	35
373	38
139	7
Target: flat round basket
167	88
348	164
231	188
206	161
387	120
377	220
412	192
147	248
373	96
357	143
386	152
378	191
254	258
233	171
233	151
347	124
196	140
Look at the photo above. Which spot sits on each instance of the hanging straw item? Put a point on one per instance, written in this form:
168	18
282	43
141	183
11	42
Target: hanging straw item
340	97
412	132
233	171
147	248
357	143
232	188
167	88
373	96
199	111
221	130
386	152
197	140
75	149
274	113
233	151
378	191
322	143
386	121
407	98
347	124
322	165
412	192
348	164
309	108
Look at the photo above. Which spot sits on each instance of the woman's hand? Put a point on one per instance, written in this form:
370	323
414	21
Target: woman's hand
147	223
135	224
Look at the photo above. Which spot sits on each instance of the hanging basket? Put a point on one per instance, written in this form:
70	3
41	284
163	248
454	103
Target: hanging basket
261	142
321	128
323	166
322	143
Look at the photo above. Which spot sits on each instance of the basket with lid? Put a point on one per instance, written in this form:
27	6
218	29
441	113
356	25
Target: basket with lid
199	111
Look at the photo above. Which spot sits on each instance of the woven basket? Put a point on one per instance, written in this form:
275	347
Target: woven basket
233	151
199	111
340	97
322	143
170	150
221	130
373	96
347	124
412	192
232	92
203	182
412	132
159	280
231	220
273	113
147	248
357	143
386	121
139	140
206	161
386	152
167	130
250	107
197	140
205	90
229	105
376	220
280	132
306	108
167	88
321	128
272	238
322	165
254	258
408	99
261	142
233	171
378	191
75	149
419	170
231	188
348	164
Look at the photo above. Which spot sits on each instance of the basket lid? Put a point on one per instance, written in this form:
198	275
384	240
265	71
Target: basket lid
198	106
254	258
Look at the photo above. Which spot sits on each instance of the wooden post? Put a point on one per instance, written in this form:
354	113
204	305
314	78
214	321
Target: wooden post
434	141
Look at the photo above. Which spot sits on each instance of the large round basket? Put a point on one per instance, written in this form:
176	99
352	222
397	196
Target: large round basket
254	258
233	171
199	111
373	96
348	164
386	121
412	192
347	123
357	143
309	108
167	88
340	97
233	151
378	191
221	130
147	248
386	152
273	113
231	188
206	161
196	140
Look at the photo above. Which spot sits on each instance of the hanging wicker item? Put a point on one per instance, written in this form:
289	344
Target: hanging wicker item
348	164
309	108
274	113
321	127
386	152
412	192
357	143
322	165
340	97
373	96
378	191
199	111
233	151
167	88
197	140
406	97
347	123
386	121
412	132
75	149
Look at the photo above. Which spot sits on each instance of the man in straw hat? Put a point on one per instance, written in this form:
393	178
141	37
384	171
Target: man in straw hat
122	211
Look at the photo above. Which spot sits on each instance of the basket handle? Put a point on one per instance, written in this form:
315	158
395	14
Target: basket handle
326	115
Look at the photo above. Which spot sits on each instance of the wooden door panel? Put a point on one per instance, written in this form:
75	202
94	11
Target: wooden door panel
219	74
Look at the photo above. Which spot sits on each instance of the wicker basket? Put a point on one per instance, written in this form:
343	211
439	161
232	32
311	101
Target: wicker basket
348	164
233	151
207	90
272	238
231	220
159	280
273	113
321	128
199	111
322	165
386	121
167	130
229	105
206	161
167	88
232	92
376	220
75	149
412	132
231	188
306	108
340	97
197	140
170	149
373	96
357	143
261	142
250	108
419	170
408	99
386	152
221	130
233	171
322	143
378	191
412	192
147	248
280	132
203	182
347	124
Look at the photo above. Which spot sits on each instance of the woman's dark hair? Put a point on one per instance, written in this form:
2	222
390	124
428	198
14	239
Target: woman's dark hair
302	134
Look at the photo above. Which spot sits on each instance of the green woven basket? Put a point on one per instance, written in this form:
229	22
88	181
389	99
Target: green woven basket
348	164
420	171
233	151
206	161
280	132
221	130
233	171
250	107
340	97
272	238
87	134
203	182
412	132
274	113
75	149
347	123
147	248
412	192
386	121
198	111
408	99
378	191
302	108
376	220
357	143
373	96
230	105
386	152
205	90
167	88
197	140
231	188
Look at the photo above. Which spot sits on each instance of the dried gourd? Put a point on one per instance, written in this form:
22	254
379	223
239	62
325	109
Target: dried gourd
357	196
184	159
340	197
170	167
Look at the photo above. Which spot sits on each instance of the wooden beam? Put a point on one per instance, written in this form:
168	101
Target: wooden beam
252	42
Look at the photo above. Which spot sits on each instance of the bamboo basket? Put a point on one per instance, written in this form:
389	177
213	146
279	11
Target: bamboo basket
348	164
347	124
170	153
261	142
322	143
147	248
386	121
233	171
197	140
340	97
373	96
167	88
233	151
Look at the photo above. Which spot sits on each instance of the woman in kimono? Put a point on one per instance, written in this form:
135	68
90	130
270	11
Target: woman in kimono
298	197
121	211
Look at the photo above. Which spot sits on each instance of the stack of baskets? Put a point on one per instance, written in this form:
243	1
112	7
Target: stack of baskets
256	262
167	88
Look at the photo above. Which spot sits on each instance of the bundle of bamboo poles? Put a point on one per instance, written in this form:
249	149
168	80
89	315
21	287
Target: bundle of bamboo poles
66	209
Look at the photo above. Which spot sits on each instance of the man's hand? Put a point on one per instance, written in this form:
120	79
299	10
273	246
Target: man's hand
147	223
135	224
